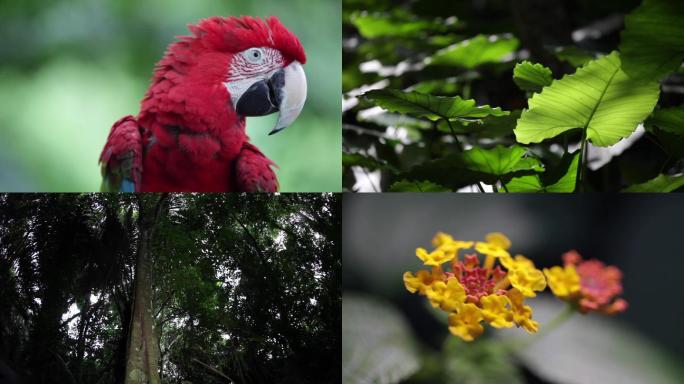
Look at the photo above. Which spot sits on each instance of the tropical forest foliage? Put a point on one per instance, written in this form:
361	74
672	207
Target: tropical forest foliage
237	288
524	96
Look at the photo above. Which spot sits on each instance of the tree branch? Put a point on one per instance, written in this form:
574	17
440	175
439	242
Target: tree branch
213	370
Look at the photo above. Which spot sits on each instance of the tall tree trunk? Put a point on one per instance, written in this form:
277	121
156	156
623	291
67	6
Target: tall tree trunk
142	357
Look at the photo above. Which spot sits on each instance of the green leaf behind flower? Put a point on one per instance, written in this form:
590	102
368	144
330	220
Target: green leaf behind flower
377	346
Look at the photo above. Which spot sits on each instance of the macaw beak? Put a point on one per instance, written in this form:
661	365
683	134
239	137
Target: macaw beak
284	91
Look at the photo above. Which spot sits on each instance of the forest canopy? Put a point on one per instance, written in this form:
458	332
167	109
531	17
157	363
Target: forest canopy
241	288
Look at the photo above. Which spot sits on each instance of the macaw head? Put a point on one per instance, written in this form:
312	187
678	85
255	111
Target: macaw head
258	61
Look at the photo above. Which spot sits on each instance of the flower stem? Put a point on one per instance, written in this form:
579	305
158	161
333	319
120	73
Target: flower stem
520	344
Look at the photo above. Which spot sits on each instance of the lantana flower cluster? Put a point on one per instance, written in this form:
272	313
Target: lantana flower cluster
478	282
588	284
493	291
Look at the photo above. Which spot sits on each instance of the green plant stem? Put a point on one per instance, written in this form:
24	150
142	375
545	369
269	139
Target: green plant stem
519	344
453	134
504	187
460	147
466	90
579	185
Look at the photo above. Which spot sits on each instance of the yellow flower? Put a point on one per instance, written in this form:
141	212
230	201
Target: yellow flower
499	239
495	310
442	238
422	279
495	245
449	296
564	282
434	258
466	322
473	290
523	275
451	249
522	314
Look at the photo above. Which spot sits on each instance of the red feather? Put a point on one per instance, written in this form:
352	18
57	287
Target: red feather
189	136
253	171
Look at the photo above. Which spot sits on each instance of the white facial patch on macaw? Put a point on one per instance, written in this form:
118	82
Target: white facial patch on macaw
250	66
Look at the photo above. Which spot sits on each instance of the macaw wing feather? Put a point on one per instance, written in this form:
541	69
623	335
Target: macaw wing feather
121	158
254	171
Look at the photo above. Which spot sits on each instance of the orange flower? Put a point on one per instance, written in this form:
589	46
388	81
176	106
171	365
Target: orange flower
589	284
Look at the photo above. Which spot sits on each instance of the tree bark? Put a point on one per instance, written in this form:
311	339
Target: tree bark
142	357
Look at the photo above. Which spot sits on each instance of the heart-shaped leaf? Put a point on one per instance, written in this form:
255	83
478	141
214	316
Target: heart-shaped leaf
368	162
430	107
531	77
417	186
668	119
476	164
480	49
598	98
653	39
659	184
562	179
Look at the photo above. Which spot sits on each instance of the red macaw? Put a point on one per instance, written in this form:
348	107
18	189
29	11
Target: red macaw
190	132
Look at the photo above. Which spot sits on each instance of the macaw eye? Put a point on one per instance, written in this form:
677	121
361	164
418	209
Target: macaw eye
254	55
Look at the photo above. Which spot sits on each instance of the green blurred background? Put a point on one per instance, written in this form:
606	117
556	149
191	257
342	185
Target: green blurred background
69	69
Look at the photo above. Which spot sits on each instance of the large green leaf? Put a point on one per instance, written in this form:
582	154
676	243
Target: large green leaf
487	127
661	183
598	98
417	186
473	52
559	180
368	162
668	119
573	55
653	39
373	25
377	345
476	164
531	77
428	106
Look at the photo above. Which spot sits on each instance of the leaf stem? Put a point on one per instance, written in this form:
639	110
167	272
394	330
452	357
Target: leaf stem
466	90
579	185
453	134
504	187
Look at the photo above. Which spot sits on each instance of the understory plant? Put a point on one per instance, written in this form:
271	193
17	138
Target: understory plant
459	103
